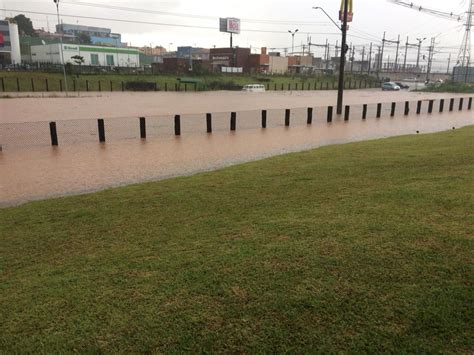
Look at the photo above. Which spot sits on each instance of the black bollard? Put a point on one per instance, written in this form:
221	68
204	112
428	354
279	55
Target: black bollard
287	117
461	103
60	85
451	105
347	113
142	127
264	118
430	106
441	105
309	118
123	86
54	133
233	121
111	86
87	85
100	86
330	110
209	122
392	111
101	127
379	110
177	125
407	108
418	107
469	105
364	111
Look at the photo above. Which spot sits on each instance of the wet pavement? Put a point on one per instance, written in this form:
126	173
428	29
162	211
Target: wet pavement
31	169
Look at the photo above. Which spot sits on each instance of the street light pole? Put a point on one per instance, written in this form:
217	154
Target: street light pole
61	44
293	40
340	89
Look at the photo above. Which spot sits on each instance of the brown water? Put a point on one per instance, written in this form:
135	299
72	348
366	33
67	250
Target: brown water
36	171
118	104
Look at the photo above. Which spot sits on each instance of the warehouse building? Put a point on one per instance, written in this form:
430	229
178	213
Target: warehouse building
9	44
92	55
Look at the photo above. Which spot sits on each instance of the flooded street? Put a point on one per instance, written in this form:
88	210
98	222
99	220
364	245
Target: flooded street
32	169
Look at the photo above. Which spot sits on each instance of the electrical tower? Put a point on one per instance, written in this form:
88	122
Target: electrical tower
464	56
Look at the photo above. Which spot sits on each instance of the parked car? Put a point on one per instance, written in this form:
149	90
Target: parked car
390	86
402	86
254	88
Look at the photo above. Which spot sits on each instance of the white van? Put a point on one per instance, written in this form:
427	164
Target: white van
254	88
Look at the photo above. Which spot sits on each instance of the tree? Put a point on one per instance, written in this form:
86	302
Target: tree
84	38
25	26
78	59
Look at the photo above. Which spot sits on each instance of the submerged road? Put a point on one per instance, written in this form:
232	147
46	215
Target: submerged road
38	171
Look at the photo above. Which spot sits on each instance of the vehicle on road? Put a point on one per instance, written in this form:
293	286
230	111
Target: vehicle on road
254	88
402	86
390	86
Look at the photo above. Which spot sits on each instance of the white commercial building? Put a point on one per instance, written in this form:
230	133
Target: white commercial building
92	55
9	43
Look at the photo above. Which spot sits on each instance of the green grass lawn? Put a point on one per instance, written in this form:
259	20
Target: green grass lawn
39	81
364	247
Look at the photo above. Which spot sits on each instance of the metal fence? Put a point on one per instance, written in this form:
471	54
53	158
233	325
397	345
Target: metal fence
85	84
71	132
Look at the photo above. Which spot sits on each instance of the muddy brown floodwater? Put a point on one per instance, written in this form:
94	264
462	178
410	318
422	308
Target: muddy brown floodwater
31	169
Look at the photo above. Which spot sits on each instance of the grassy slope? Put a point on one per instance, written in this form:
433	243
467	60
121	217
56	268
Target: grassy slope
171	80
362	247
451	87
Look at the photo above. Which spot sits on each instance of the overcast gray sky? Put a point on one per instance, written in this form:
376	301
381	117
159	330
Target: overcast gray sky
371	19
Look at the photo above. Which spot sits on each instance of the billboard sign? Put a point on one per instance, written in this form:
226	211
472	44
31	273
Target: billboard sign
350	11
229	25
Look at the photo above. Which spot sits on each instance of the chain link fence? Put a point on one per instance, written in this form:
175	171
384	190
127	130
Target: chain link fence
71	132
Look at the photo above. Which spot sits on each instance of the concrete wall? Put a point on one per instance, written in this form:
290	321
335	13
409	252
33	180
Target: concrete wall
278	65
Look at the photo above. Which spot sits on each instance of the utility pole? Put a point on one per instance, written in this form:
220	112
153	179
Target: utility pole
340	90
406	53
449	63
336	53
370	58
61	44
327	55
396	55
352	58
362	62
430	59
381	57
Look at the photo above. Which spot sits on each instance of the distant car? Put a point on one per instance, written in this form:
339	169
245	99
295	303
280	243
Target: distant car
254	88
390	86
402	86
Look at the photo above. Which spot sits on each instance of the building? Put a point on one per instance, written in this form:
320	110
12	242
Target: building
98	35
195	53
180	66
278	64
298	64
9	44
260	63
153	51
223	58
93	55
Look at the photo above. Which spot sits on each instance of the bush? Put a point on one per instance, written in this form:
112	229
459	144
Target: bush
224	85
140	86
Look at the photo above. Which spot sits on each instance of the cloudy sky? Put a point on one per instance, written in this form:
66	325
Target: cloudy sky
264	22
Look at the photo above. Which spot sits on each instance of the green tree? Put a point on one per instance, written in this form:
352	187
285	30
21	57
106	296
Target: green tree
25	26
